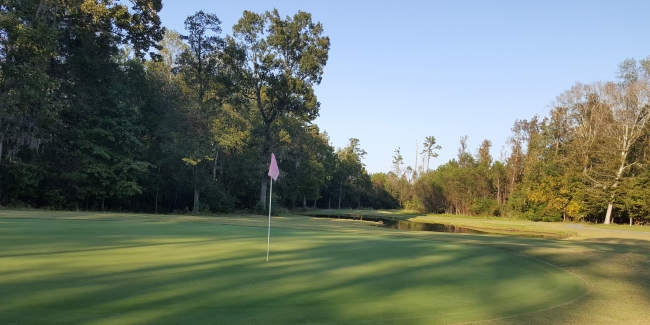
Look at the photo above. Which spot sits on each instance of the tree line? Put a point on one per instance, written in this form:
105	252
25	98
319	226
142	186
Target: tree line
102	108
587	160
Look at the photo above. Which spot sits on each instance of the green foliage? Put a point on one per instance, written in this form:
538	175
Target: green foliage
485	206
262	209
87	123
27	103
20	182
379	196
414	204
350	181
429	191
460	189
427	151
586	161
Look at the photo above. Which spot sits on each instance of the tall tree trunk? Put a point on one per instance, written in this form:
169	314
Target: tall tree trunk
164	201
619	175
340	195
195	209
155	211
608	216
499	190
415	168
214	168
314	204
265	152
1	140
176	196
304	201
263	191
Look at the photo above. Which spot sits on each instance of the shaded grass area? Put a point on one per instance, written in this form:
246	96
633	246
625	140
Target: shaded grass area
618	269
76	268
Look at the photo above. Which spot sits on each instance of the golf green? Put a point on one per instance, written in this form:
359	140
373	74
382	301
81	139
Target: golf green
125	272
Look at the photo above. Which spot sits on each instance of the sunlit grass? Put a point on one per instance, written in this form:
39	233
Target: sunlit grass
198	270
643	228
614	262
492	225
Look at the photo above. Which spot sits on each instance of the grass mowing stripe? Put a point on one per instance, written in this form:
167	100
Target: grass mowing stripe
75	272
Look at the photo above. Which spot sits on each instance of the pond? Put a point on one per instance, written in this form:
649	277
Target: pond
408	225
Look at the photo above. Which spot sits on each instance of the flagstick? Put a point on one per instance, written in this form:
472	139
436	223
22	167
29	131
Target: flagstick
268	241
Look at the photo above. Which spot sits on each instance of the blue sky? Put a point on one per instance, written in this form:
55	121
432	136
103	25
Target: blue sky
399	71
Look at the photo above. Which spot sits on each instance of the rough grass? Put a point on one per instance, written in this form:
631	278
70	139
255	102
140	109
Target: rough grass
179	275
522	228
620	227
394	214
491	225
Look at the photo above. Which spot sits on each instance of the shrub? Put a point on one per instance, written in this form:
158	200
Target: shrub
414	204
485	206
264	211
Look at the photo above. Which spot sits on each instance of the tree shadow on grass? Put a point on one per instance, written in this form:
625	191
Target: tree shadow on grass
617	268
144	277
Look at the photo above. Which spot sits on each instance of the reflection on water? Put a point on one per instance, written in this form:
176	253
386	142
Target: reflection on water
409	225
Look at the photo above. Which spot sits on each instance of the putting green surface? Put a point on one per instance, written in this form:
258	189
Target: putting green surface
125	272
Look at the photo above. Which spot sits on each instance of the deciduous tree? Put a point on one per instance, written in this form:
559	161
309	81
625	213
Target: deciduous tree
275	62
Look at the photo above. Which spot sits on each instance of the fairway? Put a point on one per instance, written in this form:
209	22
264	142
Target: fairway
128	272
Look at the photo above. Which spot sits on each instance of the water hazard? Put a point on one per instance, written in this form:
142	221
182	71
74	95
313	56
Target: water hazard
409	225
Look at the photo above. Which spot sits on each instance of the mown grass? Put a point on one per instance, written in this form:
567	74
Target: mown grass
642	228
393	214
492	225
184	269
613	258
522	228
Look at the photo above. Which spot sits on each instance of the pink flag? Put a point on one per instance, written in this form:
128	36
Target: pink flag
273	170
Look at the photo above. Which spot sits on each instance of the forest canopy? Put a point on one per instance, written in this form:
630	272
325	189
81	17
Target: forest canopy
89	121
102	108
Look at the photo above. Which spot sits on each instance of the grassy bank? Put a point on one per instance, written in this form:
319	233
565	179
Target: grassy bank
491	225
